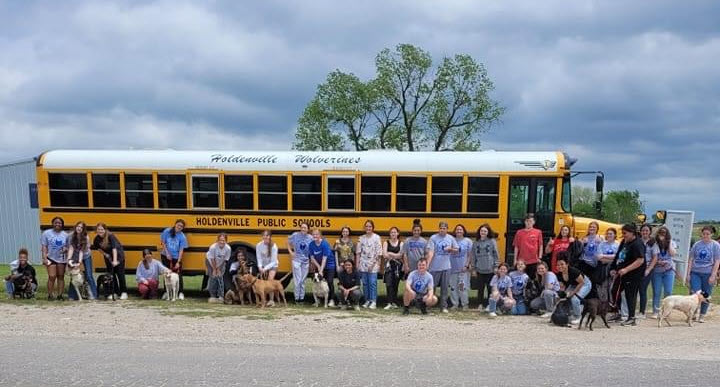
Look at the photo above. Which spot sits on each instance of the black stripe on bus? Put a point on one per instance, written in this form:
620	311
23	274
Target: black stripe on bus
479	215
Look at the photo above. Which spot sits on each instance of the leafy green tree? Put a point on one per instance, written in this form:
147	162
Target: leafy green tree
409	105
583	201
622	206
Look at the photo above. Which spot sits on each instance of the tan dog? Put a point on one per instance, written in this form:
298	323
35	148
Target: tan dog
241	290
264	288
686	304
76	279
172	285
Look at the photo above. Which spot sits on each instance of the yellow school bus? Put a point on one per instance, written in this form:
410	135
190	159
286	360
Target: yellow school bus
138	193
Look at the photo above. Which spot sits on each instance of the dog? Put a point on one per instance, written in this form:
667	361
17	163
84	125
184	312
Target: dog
561	314
320	289
77	279
23	287
106	286
686	304
264	288
593	307
172	285
241	290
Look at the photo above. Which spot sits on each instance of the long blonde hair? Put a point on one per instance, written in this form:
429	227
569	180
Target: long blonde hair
270	242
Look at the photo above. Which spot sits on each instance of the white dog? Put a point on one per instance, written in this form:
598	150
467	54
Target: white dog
320	289
172	285
686	304
76	279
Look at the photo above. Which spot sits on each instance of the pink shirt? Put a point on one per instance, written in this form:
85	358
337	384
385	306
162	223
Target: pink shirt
528	243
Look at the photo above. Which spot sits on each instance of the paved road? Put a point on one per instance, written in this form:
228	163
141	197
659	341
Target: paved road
99	362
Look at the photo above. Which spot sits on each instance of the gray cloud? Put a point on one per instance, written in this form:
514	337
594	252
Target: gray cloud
629	88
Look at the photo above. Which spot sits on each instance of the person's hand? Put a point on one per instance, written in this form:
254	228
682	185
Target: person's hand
177	266
46	262
621	272
115	263
612	273
571	239
346	292
145	282
647	272
713	278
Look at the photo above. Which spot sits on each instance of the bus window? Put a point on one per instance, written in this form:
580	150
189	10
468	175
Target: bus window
447	194
239	192
172	192
307	193
272	192
566	195
341	192
68	190
138	191
411	193
106	190
483	194
205	192
376	191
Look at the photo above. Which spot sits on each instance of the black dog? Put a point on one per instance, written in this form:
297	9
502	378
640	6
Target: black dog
106	286
593	307
561	314
23	287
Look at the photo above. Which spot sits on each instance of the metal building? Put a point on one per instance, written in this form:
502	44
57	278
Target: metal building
19	221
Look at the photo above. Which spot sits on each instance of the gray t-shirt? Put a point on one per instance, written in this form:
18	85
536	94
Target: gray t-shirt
56	243
420	283
414	249
441	257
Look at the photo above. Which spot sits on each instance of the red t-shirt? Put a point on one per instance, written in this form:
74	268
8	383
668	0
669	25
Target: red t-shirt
557	246
528	243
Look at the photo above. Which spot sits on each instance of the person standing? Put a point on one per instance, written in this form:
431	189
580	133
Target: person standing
628	269
367	260
216	259
485	260
703	266
419	289
393	257
414	248
651	255
528	245
173	244
113	255
54	255
560	243
344	246
591	243
460	270
323	260
267	256
440	247
299	248
663	274
79	251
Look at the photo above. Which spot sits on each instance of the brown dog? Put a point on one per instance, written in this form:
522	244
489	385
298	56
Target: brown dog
266	288
241	291
592	308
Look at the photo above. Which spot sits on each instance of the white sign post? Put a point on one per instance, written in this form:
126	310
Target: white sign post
680	224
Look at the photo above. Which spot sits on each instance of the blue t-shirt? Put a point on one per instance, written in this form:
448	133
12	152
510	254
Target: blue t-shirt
665	261
323	250
704	255
457	260
590	250
301	244
173	244
502	284
55	243
519	281
420	283
441	258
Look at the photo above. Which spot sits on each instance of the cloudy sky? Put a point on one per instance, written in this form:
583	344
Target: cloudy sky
631	89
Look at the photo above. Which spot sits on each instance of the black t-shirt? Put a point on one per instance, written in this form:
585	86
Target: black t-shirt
627	254
114	243
27	270
349	280
573	275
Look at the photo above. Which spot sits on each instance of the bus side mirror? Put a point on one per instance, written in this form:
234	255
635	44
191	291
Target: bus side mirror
641	218
599	183
660	215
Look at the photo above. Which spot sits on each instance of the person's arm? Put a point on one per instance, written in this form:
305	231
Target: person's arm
378	251
181	252
273	257
406	262
540	247
44	250
495	255
580	282
385	254
453	248
163	245
549	247
71	252
515	243
653	261
357	253
636	263
139	274
430	251
716	265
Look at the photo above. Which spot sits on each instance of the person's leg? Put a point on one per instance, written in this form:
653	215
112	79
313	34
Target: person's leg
92	286
549	297
365	282
60	279
444	288
706	286
329	275
120	277
668	282
179	272
492	301
464	288
657	284
212	286
537	304
304	273
408	298
9	288
643	290
355	297
631	294
482	287
153	285
52	278
454	284
143	290
372	279
575	302
297	281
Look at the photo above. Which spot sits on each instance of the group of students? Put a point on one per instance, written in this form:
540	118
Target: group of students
566	267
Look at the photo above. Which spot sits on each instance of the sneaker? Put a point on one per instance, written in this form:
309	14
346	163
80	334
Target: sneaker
615	318
165	296
357	307
493	314
546	315
487	309
211	300
701	319
123	296
60	298
388	307
331	304
654	316
465	308
406	311
575	321
110	297
629	322
453	308
372	305
269	303
394	305
366	304
641	316
445	310
342	306
181	296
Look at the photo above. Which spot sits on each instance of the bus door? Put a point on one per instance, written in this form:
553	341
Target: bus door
530	194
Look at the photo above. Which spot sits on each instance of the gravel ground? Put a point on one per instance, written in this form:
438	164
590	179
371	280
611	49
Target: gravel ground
378	330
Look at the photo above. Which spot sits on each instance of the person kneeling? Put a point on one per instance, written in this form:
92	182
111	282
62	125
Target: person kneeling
419	289
22	281
349	293
501	295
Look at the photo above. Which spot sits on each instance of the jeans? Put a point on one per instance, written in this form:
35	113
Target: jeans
519	308
216	286
699	281
92	286
546	301
576	301
661	281
643	292
442	278
483	286
300	271
493	304
9	288
118	273
459	285
369	285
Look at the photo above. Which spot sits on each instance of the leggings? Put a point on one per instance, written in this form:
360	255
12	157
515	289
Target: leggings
483	284
392	281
